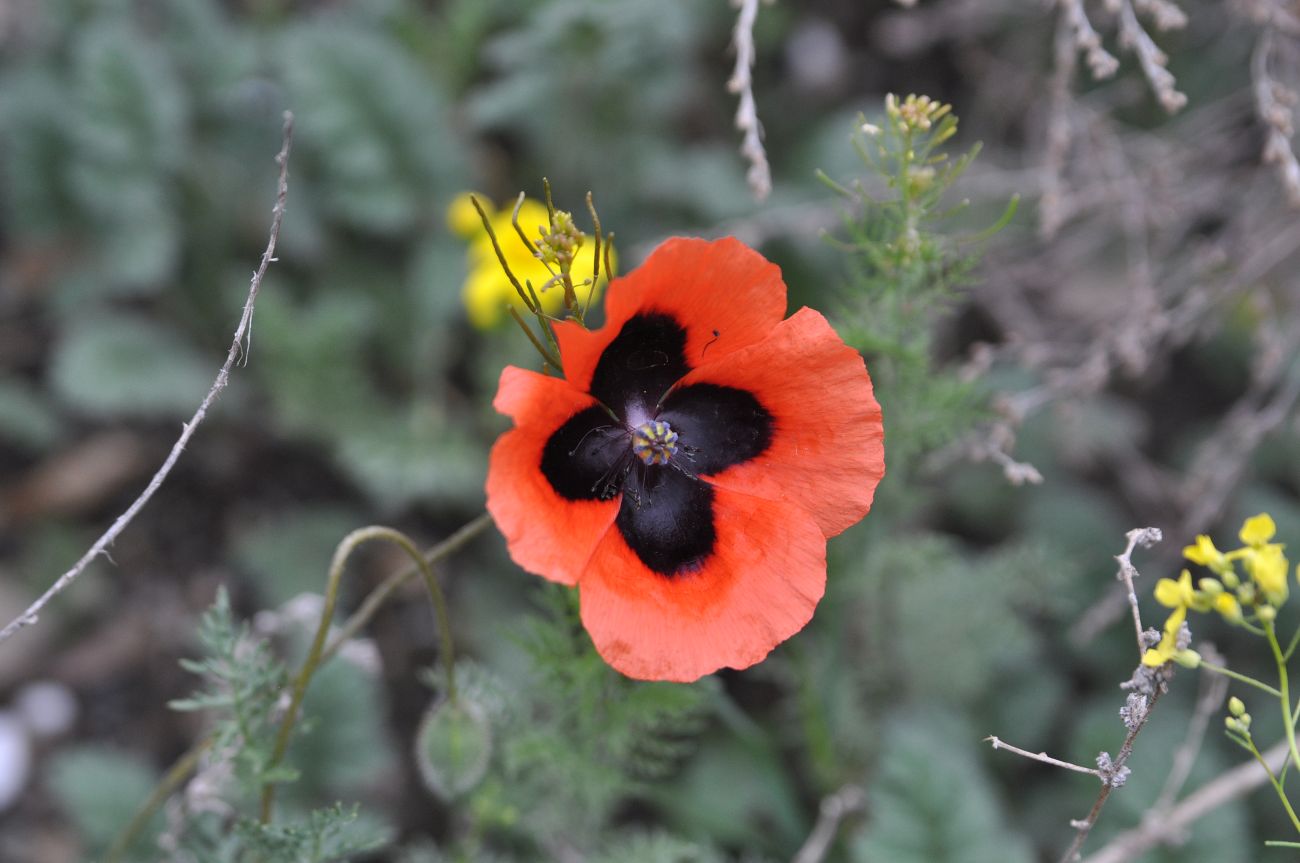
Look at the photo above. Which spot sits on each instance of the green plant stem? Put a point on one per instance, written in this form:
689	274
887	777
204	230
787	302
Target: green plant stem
171	780
350	543
1275	782
1288	720
1290	648
1249	681
374	600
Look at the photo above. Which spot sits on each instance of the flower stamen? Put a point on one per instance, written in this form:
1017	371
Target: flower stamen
654	442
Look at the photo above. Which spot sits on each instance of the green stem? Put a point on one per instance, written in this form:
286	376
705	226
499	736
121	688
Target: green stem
1290	648
1275	782
350	543
369	606
376	598
171	780
1288	719
1250	681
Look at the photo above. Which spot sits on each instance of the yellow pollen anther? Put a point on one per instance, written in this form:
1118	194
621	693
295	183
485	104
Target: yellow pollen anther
654	442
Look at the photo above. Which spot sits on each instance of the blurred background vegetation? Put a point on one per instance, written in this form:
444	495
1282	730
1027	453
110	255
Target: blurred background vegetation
1131	334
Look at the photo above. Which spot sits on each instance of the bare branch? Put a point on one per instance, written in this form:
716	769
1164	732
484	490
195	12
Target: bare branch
1272	103
759	176
1230	785
1214	688
239	348
1145	537
998	743
834	809
1086	39
1152	60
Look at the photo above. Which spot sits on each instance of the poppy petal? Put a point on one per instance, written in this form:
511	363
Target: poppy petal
546	533
723	293
717	426
666	518
584	458
827	451
642	362
757	588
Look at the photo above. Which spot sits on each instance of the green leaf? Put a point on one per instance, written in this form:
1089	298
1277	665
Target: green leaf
373	120
931	801
99	789
26	420
122	365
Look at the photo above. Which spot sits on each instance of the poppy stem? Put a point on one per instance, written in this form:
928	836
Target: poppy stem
315	655
189	761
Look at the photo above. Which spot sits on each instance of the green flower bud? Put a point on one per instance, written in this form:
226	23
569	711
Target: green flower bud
1267	613
1187	658
1235	707
452	747
1211	586
1230	580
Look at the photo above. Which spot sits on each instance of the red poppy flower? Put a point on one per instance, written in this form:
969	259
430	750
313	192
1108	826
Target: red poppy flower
687	470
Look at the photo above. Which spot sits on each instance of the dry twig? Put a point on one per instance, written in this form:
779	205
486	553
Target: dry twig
238	350
759	175
1230	785
834	810
1273	103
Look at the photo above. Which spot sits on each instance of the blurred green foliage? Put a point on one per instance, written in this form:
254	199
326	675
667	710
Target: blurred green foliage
135	150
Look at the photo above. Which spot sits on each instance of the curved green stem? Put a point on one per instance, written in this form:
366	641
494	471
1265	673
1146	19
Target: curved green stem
186	764
1275	782
350	543
1249	681
171	780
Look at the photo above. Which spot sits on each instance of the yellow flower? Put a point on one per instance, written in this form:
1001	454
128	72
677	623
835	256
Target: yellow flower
1268	567
487	290
1258	530
1167	649
1181	594
1206	554
1175	594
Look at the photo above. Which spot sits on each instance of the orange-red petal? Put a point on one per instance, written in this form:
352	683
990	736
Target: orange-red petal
827	452
724	293
759	587
545	533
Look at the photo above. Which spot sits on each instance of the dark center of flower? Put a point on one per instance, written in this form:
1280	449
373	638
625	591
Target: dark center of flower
654	442
656	445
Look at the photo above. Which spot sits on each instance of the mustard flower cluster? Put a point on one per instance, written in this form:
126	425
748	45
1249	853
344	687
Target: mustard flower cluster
1247	587
539	263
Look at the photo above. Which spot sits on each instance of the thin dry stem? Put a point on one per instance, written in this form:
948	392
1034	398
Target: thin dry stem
834	809
1271	103
1145	537
239	349
1228	786
1152	60
1213	689
759	175
999	743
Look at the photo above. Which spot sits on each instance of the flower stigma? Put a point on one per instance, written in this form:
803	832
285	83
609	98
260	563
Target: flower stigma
654	442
